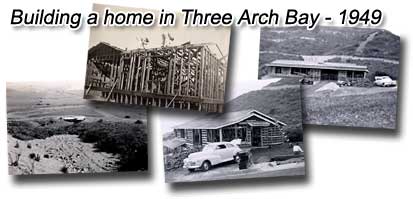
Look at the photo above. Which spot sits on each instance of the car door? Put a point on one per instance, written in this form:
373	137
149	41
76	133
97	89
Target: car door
229	152
222	152
233	150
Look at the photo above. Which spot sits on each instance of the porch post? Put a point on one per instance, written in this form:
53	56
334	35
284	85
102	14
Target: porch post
220	135
236	132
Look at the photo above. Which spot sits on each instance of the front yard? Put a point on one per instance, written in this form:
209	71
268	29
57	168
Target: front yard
278	160
374	107
230	171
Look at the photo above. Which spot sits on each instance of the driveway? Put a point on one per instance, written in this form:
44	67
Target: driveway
230	171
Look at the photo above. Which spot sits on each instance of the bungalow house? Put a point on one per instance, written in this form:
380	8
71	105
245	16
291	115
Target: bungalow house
251	126
317	70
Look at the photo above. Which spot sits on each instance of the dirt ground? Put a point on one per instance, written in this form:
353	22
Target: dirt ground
57	154
230	170
374	107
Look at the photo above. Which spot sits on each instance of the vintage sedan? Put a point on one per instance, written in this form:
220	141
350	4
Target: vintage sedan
212	154
384	81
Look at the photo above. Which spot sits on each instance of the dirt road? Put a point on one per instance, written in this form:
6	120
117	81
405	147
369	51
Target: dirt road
363	44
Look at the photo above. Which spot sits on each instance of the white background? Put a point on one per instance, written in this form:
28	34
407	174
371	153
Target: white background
341	162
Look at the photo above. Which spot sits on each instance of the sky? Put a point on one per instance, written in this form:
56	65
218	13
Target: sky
129	37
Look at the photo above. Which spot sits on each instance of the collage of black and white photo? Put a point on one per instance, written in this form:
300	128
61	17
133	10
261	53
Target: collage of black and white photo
214	125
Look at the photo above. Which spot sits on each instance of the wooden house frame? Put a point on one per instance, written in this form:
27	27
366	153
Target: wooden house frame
188	76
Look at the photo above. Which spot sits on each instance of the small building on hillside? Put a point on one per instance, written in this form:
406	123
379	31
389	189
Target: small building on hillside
317	71
251	126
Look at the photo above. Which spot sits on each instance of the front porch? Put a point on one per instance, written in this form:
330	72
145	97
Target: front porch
251	135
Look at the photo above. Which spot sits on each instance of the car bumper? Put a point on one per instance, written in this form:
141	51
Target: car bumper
191	164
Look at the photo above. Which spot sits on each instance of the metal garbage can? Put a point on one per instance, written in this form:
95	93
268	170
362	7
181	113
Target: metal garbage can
243	160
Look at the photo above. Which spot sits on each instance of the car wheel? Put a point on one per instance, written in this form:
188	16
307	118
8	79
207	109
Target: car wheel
206	165
237	159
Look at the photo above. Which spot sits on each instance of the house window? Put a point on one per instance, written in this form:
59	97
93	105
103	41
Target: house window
296	71
277	69
228	134
197	137
212	135
358	74
180	133
355	74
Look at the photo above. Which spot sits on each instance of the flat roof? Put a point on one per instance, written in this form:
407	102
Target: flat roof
317	65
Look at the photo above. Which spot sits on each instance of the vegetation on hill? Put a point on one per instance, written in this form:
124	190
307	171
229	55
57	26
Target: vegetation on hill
327	41
293	81
128	140
384	45
283	104
376	110
300	41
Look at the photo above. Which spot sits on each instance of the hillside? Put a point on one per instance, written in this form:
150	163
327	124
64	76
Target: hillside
330	41
283	104
379	44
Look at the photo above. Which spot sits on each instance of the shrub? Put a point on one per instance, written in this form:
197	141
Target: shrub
127	140
295	136
64	169
37	158
15	163
32	156
91	136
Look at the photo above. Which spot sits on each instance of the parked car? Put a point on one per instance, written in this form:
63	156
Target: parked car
343	83
307	81
384	81
212	154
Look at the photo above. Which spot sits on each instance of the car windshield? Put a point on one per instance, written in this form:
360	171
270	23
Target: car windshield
209	147
383	78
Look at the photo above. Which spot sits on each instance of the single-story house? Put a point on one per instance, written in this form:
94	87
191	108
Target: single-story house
251	126
317	70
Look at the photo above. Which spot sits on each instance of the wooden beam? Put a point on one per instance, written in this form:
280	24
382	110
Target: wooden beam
138	69
173	75
180	74
143	73
188	85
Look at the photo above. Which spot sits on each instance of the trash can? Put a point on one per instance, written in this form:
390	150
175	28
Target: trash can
243	160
